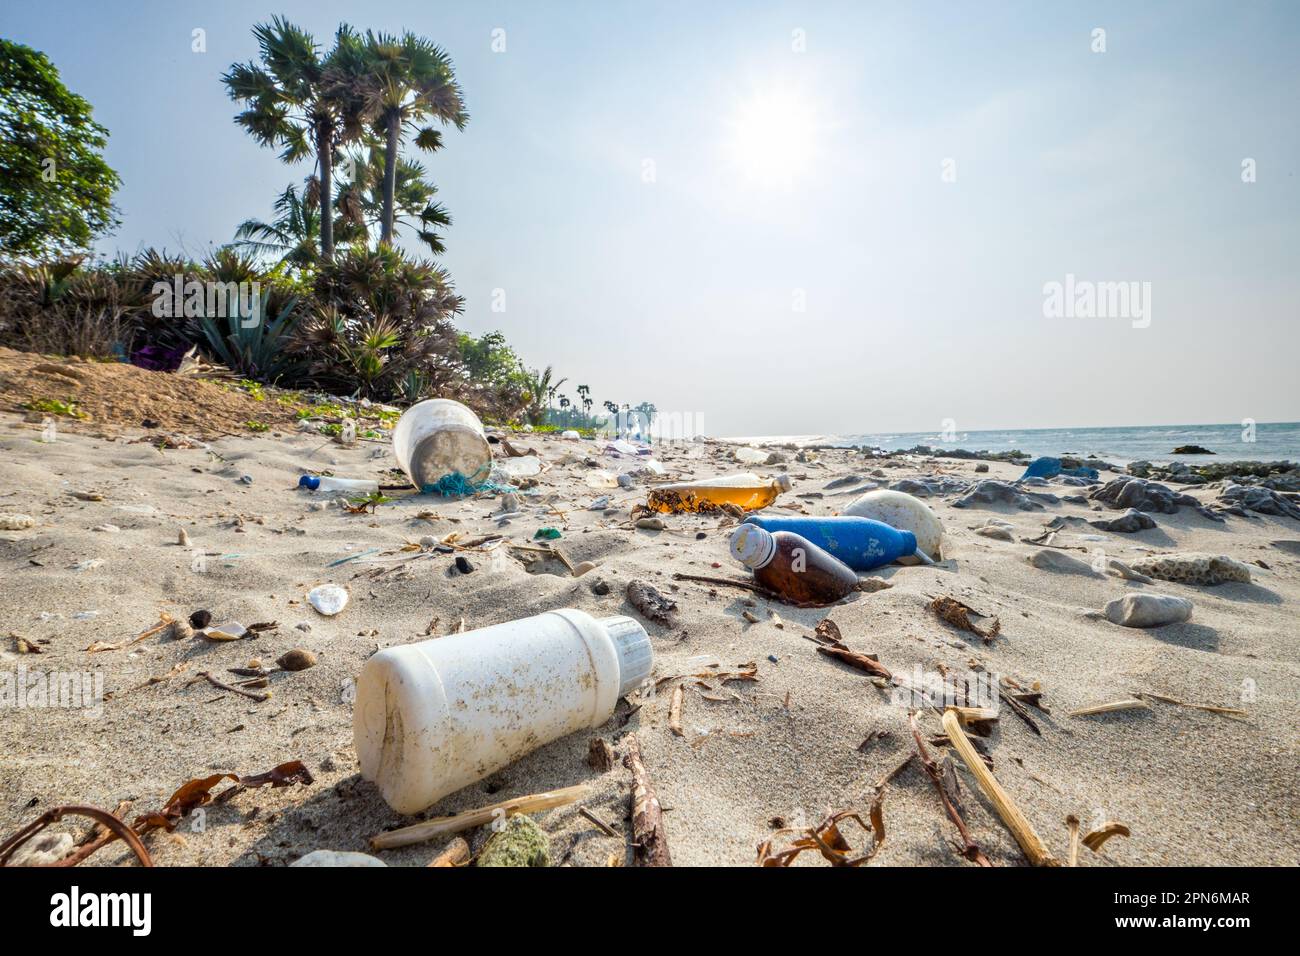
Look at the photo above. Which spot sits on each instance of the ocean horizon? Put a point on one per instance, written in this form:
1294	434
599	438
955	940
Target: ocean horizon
1263	441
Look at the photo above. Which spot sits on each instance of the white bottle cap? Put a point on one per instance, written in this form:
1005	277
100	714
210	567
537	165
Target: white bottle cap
752	546
783	482
636	658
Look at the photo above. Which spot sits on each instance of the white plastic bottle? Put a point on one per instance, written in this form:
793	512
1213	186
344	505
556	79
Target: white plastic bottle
435	716
362	486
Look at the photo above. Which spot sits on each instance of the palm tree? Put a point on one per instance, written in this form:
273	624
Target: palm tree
408	80
539	394
291	103
291	236
361	200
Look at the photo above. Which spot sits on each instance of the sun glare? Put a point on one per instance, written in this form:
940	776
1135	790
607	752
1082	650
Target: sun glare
772	139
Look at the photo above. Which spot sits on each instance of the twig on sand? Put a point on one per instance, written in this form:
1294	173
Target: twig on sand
597	822
441	826
1019	710
1015	821
250	694
970	850
650	840
1110	708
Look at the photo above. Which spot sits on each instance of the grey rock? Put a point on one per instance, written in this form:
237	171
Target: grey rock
1261	500
1129	522
1148	610
990	492
1150	496
1048	559
997	532
981	468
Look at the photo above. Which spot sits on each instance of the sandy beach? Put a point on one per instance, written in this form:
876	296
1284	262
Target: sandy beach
810	736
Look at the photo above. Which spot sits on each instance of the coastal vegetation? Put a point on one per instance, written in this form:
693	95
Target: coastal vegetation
321	296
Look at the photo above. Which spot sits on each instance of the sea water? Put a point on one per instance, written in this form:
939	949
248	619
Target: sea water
1264	441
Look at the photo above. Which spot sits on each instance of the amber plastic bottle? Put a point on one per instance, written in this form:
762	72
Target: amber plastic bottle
746	491
791	566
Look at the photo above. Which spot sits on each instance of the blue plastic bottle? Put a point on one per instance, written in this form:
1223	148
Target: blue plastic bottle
861	543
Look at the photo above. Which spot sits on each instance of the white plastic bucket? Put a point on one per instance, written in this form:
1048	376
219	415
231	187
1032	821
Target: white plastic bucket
437	437
433	717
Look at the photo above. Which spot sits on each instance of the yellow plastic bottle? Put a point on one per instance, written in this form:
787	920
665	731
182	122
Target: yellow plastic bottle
746	491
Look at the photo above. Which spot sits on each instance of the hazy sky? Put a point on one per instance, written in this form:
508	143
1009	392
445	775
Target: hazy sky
743	211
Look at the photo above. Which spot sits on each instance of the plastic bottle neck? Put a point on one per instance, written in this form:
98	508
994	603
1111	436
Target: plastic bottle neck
752	546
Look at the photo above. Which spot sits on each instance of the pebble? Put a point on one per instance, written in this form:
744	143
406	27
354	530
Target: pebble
328	599
337	858
107	528
201	618
650	524
183	538
1148	610
600	586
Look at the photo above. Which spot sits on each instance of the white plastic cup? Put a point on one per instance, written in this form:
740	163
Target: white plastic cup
437	437
433	717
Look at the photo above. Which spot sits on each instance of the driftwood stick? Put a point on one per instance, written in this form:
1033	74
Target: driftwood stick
1015	821
971	849
455	853
441	826
1072	823
650	840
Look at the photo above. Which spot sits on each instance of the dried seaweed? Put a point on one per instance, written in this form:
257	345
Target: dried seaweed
827	840
959	615
191	795
1094	840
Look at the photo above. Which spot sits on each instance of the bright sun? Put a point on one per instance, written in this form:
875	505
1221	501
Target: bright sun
772	139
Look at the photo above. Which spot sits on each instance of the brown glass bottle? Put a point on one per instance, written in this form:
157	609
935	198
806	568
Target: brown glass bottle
792	566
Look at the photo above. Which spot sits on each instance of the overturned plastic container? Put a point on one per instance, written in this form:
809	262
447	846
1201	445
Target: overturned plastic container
440	437
433	717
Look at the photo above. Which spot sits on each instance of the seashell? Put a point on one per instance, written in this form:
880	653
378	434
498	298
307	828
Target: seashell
328	599
297	659
225	632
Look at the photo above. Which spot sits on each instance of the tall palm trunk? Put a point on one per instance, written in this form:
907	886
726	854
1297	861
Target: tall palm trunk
324	150
390	175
